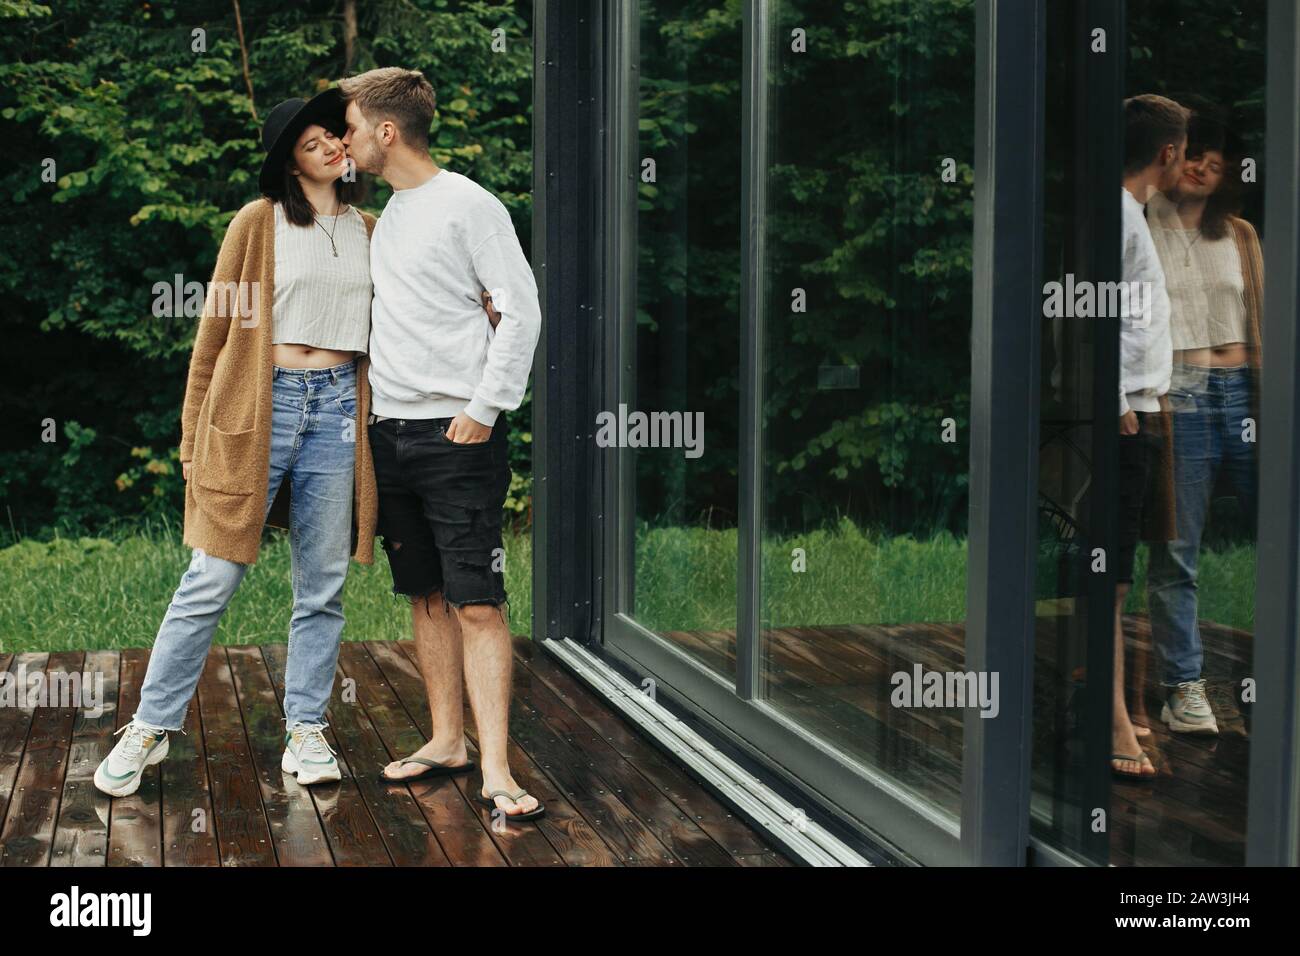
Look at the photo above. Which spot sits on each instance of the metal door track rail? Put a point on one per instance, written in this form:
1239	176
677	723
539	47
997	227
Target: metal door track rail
787	825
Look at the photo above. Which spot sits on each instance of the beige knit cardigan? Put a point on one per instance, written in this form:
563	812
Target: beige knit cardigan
226	418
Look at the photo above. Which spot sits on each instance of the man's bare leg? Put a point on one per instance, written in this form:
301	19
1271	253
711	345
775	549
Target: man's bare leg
1123	739
488	662
440	653
1138	711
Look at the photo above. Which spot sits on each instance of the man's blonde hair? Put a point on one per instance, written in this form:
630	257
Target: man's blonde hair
1151	122
391	93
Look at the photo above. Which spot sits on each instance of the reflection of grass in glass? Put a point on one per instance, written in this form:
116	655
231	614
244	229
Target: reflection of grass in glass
1226	586
686	579
98	593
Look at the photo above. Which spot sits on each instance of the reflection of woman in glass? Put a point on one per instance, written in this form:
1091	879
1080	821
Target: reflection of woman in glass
1214	272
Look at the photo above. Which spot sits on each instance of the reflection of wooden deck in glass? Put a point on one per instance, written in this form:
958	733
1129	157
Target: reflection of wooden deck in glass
612	798
836	682
1194	811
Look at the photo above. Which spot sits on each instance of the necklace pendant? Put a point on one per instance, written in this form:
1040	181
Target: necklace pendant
336	253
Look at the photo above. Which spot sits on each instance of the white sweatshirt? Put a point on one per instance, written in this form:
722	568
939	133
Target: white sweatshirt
1146	351
433	352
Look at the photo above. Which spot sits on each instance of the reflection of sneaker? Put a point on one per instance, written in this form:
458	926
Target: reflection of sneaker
308	755
118	775
1187	711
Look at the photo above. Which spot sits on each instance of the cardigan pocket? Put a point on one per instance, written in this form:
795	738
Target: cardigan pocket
227	463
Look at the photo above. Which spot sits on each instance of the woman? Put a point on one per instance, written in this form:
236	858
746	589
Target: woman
1214	270
274	396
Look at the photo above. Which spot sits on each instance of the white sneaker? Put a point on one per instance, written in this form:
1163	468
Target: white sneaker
1187	710
308	755
118	775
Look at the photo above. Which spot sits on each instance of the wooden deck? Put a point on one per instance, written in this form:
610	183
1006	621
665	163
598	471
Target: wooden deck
220	799
836	682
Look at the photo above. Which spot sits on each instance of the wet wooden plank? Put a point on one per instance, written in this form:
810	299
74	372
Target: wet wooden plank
402	827
732	833
352	832
188	827
633	842
522	844
565	828
16	721
458	828
27	838
134	828
81	835
290	811
772	859
242	832
677	830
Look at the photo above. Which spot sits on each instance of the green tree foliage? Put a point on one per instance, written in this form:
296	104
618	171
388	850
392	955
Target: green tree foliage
860	124
155	146
143	109
1214	51
858	217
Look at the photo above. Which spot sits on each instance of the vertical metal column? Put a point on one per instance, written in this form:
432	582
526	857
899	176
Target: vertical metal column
1273	824
1097	255
1009	88
567	260
753	186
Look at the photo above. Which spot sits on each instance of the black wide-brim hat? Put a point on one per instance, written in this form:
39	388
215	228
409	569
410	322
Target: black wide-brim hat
285	124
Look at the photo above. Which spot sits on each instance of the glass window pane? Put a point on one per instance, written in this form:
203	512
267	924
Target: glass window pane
687	323
1179	630
866	396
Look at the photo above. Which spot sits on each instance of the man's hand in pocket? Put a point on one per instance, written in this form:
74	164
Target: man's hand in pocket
493	315
463	430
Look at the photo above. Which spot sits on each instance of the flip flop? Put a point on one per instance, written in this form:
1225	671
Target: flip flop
434	770
1139	758
490	801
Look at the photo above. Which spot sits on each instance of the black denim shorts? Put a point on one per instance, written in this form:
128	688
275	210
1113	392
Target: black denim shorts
1139	463
440	509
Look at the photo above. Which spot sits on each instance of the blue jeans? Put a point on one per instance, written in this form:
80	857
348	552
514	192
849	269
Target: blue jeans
313	446
1209	406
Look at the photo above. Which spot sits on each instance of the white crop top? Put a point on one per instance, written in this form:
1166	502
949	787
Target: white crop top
320	300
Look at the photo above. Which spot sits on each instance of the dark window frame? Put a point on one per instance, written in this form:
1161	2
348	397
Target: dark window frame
585	260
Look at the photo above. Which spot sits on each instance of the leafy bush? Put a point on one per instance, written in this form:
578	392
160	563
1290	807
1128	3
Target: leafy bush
154	146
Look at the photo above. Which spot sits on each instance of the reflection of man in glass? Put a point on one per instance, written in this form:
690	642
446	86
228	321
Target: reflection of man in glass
1214	268
1155	137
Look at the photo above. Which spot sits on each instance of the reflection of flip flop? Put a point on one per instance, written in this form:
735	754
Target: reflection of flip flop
1141	759
434	770
490	801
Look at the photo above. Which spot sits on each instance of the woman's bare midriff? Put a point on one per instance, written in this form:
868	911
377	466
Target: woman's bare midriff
1220	356
292	355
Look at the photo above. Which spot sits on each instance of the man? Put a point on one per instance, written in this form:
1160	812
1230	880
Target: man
441	379
1155	143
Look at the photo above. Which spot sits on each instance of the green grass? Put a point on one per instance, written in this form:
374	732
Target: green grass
97	593
91	593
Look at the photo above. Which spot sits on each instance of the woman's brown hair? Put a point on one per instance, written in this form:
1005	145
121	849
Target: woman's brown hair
296	207
1205	132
